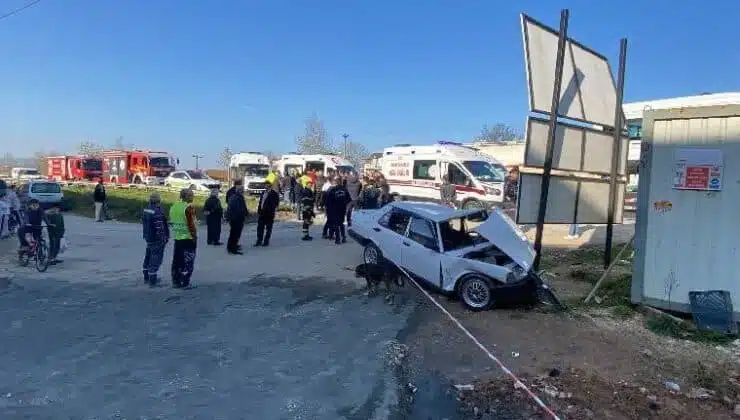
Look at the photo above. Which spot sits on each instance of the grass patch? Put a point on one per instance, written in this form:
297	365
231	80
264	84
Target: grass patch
622	312
126	205
665	326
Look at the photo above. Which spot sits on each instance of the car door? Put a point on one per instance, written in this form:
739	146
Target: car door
178	179
391	231
420	251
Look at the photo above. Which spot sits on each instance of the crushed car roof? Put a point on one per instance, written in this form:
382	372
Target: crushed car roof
434	212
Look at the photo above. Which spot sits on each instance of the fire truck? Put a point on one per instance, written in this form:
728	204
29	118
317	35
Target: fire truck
137	166
74	168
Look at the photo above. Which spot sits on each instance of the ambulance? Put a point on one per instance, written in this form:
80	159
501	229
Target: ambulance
416	172
252	168
327	164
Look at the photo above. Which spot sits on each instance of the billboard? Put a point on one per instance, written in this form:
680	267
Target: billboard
570	200
578	149
588	92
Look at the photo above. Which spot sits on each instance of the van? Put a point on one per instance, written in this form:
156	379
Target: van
415	172
25	174
252	168
327	164
46	192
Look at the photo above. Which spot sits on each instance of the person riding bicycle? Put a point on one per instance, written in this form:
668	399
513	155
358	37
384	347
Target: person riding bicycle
34	219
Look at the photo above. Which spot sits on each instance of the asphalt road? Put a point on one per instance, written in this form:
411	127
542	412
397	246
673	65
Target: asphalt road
279	333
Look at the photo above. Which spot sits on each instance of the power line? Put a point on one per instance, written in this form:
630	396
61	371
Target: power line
20	9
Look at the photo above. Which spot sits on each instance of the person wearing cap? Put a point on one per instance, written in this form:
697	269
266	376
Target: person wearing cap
266	209
307	202
156	235
184	229
214	212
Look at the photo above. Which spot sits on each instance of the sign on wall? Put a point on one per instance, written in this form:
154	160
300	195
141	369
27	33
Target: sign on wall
698	169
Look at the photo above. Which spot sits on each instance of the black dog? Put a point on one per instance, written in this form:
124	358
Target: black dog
374	274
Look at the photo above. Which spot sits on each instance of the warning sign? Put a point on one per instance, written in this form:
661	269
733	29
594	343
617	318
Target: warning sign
698	169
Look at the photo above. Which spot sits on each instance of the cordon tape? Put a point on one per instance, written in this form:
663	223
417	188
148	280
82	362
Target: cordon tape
517	382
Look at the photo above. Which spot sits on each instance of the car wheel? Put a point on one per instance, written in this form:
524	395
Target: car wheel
476	292
472	205
372	254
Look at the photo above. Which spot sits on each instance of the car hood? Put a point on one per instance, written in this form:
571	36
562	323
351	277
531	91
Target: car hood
501	231
204	181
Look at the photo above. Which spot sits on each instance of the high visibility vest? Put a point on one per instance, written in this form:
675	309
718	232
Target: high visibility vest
179	221
304	180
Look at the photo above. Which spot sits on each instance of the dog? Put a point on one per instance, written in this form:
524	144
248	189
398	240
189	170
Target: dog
374	274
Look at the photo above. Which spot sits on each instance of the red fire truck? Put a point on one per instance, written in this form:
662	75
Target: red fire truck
74	168
137	166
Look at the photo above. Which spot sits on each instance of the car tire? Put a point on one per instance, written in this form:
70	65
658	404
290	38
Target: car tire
476	292
372	254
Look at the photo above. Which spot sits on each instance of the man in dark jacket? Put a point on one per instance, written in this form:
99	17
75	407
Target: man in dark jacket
336	208
214	213
230	192
354	187
266	209
237	217
33	220
99	198
320	181
156	235
306	204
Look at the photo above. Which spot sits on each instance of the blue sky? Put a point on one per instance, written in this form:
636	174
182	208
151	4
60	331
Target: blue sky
194	76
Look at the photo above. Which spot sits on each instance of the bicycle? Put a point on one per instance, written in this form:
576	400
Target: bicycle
38	250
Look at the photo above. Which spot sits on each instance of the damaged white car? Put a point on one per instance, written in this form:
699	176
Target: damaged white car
481	257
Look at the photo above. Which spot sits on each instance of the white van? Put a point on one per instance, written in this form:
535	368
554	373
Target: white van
304	163
25	174
415	172
253	168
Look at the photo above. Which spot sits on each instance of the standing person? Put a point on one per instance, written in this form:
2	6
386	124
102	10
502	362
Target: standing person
327	232
512	185
232	190
99	197
4	211
31	224
322	185
55	222
182	218
307	203
336	204
156	233
214	212
237	217
285	182
266	209
14	204
370	195
447	192
293	188
354	188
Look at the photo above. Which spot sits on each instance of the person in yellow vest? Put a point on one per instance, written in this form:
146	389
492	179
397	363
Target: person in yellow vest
182	219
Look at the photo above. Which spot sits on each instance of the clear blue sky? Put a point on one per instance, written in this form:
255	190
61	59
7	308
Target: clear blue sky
195	76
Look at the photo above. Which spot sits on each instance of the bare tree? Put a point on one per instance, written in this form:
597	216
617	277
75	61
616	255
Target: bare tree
499	133
118	144
90	148
224	160
356	153
315	139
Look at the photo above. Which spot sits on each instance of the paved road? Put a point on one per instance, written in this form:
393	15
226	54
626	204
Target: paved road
275	334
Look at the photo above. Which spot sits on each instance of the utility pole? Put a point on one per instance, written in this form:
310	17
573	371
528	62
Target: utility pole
345	136
197	160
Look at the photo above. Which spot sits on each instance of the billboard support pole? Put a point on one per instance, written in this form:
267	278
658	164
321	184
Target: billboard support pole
562	38
616	154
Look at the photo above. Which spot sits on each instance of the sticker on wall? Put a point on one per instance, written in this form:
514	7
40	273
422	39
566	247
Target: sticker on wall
662	206
698	169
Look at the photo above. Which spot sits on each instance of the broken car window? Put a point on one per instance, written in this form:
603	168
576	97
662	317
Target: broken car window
455	234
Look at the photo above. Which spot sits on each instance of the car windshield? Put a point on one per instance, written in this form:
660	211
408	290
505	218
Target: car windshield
486	171
92	164
253	169
458	233
197	175
159	161
45	188
28	172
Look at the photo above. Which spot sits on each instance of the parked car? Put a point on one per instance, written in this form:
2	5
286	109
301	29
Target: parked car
46	192
481	257
195	180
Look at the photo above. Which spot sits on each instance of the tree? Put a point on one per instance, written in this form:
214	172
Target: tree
224	160
90	148
315	139
356	153
499	133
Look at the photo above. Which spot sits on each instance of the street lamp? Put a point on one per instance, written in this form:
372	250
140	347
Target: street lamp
345	136
197	159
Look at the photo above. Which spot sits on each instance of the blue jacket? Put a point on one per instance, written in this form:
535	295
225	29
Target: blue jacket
155	224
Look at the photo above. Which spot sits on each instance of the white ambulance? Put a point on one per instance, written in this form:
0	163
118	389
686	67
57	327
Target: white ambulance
303	163
415	173
253	168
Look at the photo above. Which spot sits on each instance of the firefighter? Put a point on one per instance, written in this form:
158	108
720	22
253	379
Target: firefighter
307	205
156	235
182	218
214	212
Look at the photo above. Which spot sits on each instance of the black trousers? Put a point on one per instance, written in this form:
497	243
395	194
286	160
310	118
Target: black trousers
351	206
55	243
214	229
327	230
336	228
264	229
183	262
235	234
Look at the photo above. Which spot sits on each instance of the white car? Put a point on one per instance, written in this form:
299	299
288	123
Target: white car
479	256
47	193
195	180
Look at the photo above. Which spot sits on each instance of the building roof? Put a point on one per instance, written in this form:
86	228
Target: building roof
634	110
